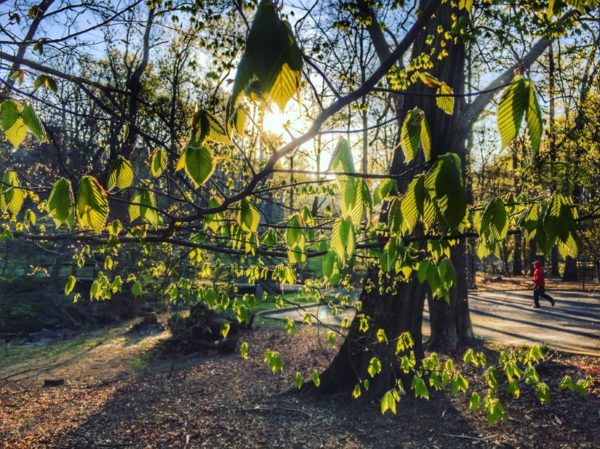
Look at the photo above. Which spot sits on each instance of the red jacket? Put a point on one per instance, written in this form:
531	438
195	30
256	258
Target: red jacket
538	276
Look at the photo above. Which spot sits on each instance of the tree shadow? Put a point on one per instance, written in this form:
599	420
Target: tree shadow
217	401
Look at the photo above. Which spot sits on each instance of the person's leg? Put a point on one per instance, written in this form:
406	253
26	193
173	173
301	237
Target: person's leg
547	297
536	301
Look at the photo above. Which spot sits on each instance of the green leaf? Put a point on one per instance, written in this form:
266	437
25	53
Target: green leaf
343	240
273	359
410	135
533	117
494	221
92	205
543	393
315	378
33	123
394	215
121	174
419	387
13	124
207	127
388	401
199	163
285	86
237	119
491	377
136	289
30	217
445	181
244	351
271	65
356	392
11	192
46	82
494	410
70	285
158	161
412	203
374	367
443	99
61	203
447	273
298	380
474	401
248	216
351	189
459	384
296	240
331	270
511	109
143	205
225	327
383	189
389	255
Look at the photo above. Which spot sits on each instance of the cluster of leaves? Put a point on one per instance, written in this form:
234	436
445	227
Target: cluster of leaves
551	222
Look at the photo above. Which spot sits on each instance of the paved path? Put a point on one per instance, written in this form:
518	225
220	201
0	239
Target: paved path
508	317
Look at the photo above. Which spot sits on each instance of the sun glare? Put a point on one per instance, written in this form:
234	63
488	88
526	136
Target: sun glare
276	122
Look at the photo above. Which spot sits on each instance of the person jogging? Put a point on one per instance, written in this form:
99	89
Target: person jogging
539	285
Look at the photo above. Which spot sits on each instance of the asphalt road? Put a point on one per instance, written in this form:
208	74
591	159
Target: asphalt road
508	317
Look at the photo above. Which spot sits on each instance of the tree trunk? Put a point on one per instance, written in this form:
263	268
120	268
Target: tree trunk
401	309
570	273
451	322
517	261
532	254
554	272
395	313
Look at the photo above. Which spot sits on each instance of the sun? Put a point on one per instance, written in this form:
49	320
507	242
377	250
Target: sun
277	122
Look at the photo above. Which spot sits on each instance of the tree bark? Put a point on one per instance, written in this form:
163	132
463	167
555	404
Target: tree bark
570	273
401	311
391	304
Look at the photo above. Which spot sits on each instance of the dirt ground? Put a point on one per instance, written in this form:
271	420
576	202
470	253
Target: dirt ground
118	395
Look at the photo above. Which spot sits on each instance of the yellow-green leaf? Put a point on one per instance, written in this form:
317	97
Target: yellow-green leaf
13	124
158	161
199	163
12	193
92	205
61	203
444	98
121	174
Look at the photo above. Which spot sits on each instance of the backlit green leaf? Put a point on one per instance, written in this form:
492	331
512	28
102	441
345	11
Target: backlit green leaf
158	161
248	216
13	124
199	163
92	205
444	98
271	65
12	193
61	203
121	174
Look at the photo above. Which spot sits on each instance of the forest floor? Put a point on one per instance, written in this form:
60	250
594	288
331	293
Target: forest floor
120	393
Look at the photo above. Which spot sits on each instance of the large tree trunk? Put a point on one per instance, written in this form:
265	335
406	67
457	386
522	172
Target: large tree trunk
401	309
395	313
451	322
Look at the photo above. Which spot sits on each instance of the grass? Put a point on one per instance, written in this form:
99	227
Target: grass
17	356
